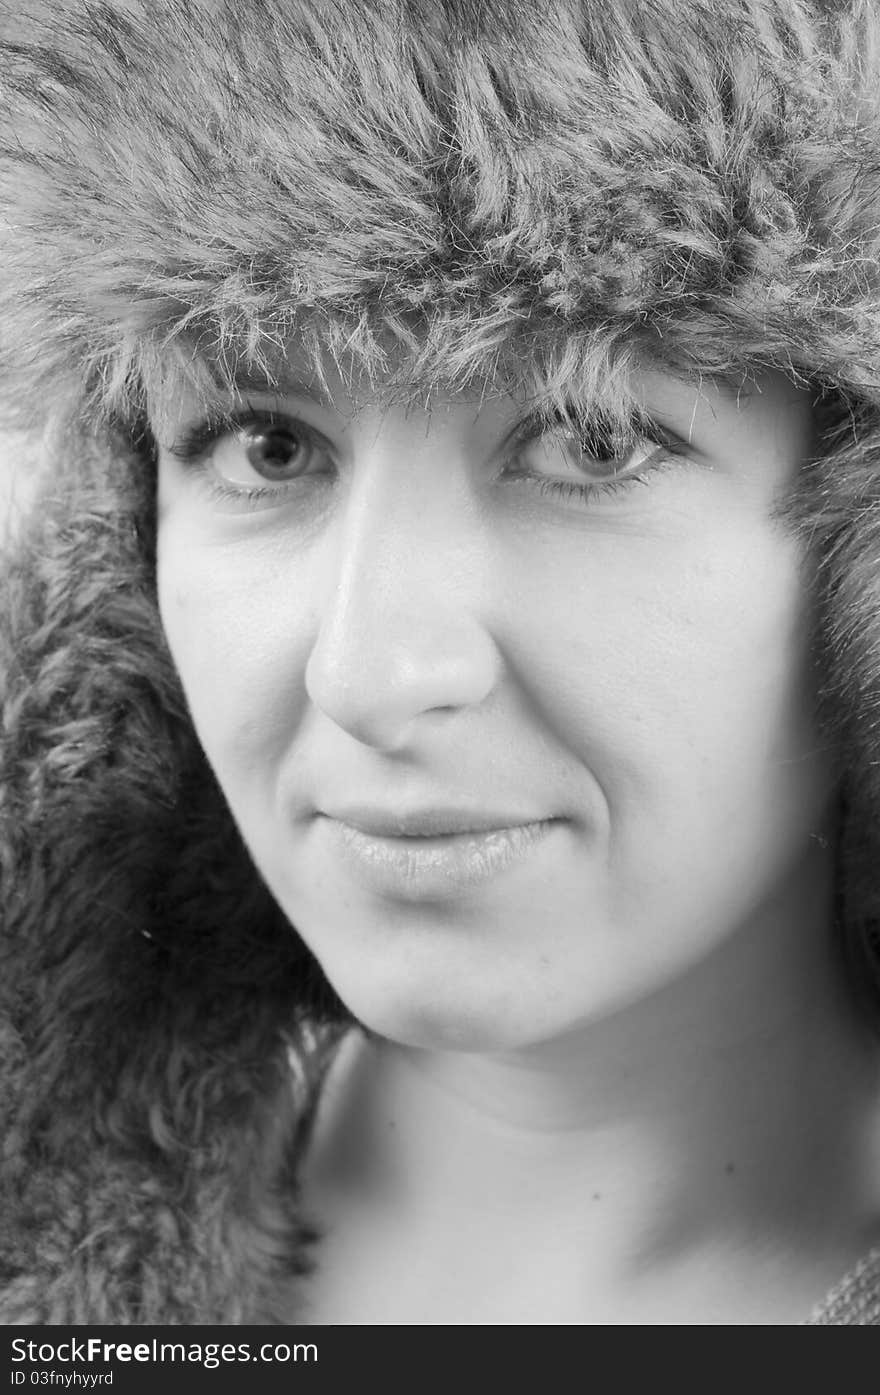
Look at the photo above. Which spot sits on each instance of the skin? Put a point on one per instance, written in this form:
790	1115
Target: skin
414	624
634	667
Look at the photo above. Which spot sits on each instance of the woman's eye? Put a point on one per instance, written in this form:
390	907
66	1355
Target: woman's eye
276	452
257	449
565	454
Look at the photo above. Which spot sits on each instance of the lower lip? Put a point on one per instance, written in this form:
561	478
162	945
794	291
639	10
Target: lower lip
417	868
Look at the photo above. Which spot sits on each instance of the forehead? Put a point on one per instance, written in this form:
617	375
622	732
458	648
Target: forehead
764	401
183	376
766	405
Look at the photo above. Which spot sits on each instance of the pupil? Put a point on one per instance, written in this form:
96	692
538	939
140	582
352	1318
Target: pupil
273	451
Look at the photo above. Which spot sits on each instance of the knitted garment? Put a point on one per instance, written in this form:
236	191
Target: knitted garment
855	1301
446	197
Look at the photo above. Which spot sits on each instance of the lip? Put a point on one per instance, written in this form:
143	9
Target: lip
430	854
434	822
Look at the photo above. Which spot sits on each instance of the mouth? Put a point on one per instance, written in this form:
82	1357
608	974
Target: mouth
429	822
430	853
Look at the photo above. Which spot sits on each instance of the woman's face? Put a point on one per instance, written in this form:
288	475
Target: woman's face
515	732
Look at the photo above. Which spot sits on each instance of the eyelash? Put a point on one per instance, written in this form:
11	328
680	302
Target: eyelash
669	449
194	445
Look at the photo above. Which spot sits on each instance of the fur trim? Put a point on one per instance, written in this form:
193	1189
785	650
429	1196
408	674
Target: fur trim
462	194
496	190
149	1000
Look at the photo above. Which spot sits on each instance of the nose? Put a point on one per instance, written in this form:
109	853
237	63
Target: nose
399	636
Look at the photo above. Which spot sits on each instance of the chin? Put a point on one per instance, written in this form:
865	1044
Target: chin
436	1030
413	1013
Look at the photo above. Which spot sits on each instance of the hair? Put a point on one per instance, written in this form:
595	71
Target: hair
462	195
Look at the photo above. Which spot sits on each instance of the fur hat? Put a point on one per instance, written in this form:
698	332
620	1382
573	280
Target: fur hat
525	196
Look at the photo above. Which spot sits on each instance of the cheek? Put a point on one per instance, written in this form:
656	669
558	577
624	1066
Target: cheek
675	674
678	671
240	653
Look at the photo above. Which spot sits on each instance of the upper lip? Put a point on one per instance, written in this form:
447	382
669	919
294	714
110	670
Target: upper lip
427	822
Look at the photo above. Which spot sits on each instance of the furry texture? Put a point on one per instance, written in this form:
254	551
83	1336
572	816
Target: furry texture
150	990
529	196
530	192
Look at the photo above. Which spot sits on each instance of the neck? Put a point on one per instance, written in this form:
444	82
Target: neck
731	1103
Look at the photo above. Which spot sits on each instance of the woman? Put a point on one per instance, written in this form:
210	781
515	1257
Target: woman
440	679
